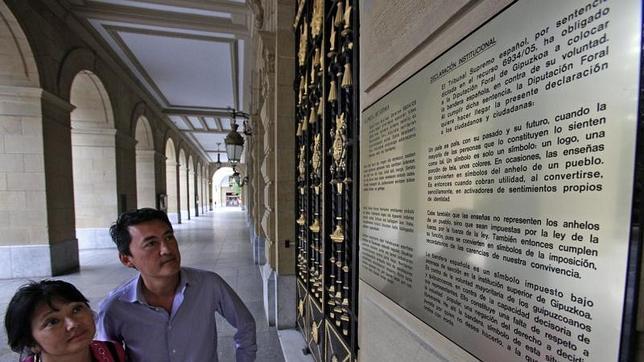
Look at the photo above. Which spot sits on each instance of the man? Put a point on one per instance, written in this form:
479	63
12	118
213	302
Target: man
167	313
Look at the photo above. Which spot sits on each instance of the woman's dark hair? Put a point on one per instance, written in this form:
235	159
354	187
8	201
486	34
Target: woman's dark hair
120	233
17	320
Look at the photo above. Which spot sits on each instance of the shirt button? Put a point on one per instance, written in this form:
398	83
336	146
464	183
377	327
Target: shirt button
174	351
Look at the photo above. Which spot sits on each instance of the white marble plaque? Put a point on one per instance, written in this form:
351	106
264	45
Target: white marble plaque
497	182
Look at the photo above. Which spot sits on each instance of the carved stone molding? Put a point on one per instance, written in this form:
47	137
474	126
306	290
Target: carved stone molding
258	11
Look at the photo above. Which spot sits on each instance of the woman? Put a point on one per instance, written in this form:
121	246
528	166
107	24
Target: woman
51	320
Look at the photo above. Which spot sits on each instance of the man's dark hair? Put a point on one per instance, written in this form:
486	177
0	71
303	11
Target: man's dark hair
119	230
17	320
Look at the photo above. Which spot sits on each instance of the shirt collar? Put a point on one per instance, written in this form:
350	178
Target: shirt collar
134	293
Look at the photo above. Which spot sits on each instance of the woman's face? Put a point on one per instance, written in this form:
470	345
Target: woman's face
66	329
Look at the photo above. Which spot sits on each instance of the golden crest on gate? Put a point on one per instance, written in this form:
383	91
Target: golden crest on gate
339	141
316	159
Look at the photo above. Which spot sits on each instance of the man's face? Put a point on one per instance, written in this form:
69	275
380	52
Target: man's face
154	251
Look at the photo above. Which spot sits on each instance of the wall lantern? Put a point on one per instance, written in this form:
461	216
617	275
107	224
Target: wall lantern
234	141
218	163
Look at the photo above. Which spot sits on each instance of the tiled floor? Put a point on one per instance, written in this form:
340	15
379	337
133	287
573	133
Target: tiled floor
217	241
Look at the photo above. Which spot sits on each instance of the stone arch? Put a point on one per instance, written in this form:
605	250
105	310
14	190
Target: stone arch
76	60
171	177
183	186
145	172
93	159
17	62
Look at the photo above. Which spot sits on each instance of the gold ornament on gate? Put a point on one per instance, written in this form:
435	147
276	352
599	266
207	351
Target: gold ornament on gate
346	18
347	80
300	8
339	15
332	92
332	51
300	308
315	333
304	38
313	115
338	234
301	220
301	167
315	227
317	17
339	141
304	125
316	159
314	74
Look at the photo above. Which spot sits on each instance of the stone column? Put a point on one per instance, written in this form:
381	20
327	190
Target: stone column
125	171
177	180
183	192
195	187
189	190
267	114
160	177
266	161
260	237
37	236
172	169
63	244
204	194
284	138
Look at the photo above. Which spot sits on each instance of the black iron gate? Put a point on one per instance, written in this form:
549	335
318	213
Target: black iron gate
326	112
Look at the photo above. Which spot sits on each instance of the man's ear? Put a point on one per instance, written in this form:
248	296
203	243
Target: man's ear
126	260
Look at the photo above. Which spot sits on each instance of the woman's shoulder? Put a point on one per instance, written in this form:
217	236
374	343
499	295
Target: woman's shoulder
107	351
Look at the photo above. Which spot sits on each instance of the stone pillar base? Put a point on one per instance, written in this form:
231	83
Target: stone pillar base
259	253
285	296
29	261
268	286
